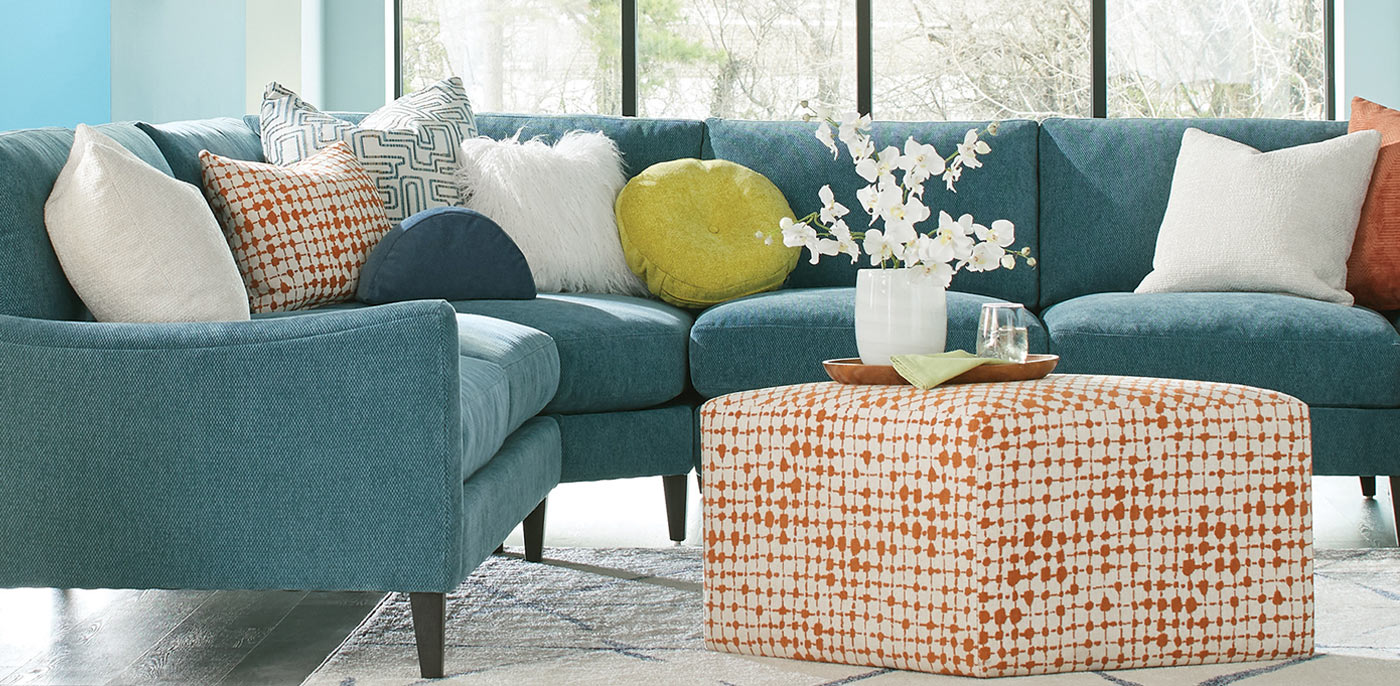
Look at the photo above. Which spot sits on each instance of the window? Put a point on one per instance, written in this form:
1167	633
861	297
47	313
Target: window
747	59
909	59
548	56
991	59
1217	58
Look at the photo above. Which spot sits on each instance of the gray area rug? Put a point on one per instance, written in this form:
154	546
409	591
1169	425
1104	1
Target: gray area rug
632	616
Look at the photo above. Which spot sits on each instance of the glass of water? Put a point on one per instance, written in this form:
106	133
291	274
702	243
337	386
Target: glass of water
1003	332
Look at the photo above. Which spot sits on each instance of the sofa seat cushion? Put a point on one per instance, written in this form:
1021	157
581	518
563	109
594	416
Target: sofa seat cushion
1322	353
486	412
527	356
616	352
780	338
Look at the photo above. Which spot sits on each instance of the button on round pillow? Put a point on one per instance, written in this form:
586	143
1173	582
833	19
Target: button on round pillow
687	228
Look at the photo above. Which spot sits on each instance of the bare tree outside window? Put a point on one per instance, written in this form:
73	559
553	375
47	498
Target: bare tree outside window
747	59
1216	58
932	59
990	59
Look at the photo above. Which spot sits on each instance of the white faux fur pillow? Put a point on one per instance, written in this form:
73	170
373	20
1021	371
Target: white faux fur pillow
556	203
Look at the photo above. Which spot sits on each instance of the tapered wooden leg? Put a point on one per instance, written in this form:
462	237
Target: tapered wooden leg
429	630
675	505
534	533
1368	486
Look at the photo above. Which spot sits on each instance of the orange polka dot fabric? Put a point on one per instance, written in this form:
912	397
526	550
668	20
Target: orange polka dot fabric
1070	523
300	233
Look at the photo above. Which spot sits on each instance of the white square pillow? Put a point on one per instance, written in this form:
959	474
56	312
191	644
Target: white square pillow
410	147
1273	222
556	203
136	244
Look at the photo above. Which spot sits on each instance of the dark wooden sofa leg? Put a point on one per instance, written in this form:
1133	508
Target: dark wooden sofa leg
675	505
429	630
534	533
1368	486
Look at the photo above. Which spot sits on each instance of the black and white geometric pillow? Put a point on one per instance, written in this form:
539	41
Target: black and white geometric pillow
411	147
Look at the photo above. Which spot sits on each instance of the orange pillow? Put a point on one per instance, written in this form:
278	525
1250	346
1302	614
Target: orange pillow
1373	271
300	233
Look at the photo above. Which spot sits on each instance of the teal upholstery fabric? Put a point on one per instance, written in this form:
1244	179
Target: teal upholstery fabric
1104	185
1350	441
485	400
643	142
617	445
789	155
527	357
320	451
181	141
1321	353
497	498
780	338
615	352
32	283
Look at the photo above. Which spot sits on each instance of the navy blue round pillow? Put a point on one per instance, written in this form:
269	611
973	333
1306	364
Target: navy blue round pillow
448	253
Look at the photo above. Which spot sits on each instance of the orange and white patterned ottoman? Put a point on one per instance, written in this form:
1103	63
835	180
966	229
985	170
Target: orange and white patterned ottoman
1069	523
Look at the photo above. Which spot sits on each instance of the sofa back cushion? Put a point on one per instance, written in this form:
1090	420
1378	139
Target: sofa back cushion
181	142
1104	185
32	283
789	154
643	142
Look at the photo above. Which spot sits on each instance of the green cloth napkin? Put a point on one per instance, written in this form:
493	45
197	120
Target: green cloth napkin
927	371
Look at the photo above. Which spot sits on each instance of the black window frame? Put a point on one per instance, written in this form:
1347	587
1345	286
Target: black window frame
1098	64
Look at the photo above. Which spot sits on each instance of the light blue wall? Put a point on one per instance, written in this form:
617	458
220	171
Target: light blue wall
177	59
353	45
54	63
1371	41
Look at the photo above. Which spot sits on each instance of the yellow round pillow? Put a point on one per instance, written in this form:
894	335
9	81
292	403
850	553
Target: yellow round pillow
687	228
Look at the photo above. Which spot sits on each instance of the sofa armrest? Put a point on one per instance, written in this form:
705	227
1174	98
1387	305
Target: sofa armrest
319	451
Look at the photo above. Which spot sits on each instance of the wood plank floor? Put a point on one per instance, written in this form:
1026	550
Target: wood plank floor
50	637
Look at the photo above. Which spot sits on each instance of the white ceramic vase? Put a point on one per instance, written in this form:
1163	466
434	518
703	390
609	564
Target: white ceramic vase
899	312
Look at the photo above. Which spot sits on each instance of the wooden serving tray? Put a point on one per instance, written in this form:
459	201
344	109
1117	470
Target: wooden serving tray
852	371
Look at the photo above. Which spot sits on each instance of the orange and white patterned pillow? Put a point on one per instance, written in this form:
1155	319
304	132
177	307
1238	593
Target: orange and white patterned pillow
300	233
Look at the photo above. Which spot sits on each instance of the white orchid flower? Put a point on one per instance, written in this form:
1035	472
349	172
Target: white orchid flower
823	246
941	272
796	234
954	235
825	136
852	128
846	243
934	251
861	149
869	198
1002	233
1008	261
881	167
985	257
970	148
952	174
880	249
920	162
832	211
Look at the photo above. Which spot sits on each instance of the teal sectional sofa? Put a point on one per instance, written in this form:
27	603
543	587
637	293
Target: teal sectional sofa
393	448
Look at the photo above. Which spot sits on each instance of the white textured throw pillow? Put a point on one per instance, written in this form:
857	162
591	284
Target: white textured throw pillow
556	203
1273	222
138	245
410	147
